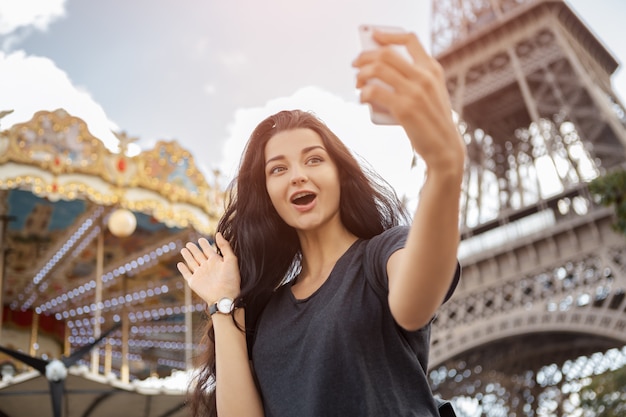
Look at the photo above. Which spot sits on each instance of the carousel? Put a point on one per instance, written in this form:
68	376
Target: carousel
96	319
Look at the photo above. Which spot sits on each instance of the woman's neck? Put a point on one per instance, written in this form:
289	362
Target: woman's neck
321	250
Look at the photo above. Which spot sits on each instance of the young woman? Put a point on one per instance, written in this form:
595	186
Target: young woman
320	294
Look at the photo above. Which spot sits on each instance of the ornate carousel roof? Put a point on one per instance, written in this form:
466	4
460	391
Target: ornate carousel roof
68	272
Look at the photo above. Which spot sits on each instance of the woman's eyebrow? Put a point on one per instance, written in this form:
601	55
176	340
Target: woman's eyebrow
310	148
304	151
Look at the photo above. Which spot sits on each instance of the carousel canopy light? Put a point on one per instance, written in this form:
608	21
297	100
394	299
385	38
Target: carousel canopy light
122	222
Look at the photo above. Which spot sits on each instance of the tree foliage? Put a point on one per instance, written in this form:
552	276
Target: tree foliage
605	396
611	188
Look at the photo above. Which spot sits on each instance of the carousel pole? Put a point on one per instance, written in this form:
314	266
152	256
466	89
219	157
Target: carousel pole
4	220
95	353
108	358
125	368
188	328
67	346
34	335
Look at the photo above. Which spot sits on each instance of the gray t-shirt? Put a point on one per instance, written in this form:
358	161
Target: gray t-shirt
339	352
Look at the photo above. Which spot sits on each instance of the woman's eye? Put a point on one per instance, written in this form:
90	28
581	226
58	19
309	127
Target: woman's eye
276	170
314	160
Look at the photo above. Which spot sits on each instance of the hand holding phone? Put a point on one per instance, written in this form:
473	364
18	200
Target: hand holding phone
378	114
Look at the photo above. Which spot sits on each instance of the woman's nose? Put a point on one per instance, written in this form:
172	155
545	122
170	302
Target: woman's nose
298	178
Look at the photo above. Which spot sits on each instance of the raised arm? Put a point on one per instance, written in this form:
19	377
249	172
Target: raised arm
421	273
212	277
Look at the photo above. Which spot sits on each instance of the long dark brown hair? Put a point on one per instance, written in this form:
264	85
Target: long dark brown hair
267	249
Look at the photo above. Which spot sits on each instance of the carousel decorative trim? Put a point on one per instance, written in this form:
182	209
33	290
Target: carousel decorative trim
55	156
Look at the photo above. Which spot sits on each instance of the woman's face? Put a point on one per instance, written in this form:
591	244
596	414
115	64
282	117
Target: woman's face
301	179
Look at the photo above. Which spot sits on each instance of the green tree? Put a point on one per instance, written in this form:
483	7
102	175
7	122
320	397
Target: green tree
605	396
611	189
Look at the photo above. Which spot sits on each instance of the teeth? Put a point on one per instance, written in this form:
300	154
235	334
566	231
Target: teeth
303	197
295	197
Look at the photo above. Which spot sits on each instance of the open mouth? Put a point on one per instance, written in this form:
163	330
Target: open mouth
303	199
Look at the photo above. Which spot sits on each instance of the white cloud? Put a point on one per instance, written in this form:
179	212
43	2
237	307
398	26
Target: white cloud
30	84
232	60
23	13
385	148
209	89
200	48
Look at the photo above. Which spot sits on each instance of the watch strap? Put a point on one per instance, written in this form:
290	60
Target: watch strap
213	309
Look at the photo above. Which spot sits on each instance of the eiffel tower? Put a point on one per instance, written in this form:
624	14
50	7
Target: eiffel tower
544	272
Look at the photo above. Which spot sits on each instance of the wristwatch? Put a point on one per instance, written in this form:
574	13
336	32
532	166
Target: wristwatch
224	305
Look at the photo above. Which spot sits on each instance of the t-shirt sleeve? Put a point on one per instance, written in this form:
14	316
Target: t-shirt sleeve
378	251
455	282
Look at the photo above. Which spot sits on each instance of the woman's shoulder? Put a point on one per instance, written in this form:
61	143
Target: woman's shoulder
391	235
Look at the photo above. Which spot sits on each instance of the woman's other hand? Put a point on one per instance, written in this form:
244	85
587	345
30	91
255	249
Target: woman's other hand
211	275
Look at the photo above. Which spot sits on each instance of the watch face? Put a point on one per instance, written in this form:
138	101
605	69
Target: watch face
225	305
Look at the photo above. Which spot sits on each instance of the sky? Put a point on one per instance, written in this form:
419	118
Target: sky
205	72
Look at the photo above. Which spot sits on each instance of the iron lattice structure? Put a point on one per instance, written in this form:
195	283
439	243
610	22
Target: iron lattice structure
544	272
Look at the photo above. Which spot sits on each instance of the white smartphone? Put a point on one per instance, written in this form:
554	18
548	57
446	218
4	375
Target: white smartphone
378	114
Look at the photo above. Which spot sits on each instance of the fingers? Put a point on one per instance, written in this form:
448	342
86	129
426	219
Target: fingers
381	75
185	272
224	245
198	252
206	247
390	55
380	70
209	275
194	255
190	260
384	57
386	64
407	39
414	87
